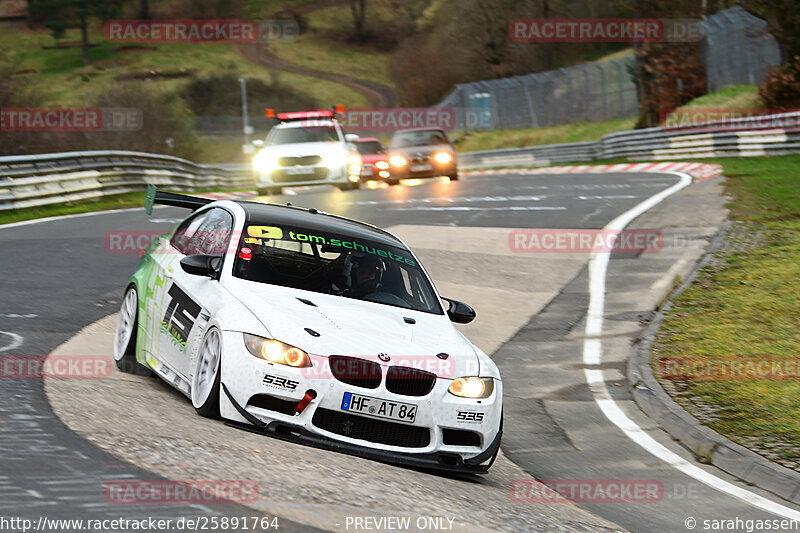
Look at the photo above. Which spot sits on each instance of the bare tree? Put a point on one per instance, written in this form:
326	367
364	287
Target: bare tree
359	10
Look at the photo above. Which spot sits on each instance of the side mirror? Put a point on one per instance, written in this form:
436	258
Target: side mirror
351	137
460	312
258	143
201	265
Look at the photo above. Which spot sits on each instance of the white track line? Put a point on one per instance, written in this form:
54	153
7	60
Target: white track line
16	341
593	353
65	217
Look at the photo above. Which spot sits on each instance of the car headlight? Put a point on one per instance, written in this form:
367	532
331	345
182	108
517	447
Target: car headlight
383	165
472	387
398	161
443	157
335	159
354	164
276	351
264	162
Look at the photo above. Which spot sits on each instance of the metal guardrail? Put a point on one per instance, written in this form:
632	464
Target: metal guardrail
34	180
777	134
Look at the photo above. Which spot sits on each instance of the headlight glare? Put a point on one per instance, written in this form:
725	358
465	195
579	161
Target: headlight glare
442	157
398	161
263	162
354	165
276	351
383	165
472	387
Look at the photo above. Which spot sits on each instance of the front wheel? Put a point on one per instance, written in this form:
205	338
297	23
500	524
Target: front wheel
125	335
453	177
206	377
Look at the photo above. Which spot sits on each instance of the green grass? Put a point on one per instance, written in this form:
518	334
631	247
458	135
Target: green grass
740	97
566	133
317	49
119	201
745	304
313	51
68	82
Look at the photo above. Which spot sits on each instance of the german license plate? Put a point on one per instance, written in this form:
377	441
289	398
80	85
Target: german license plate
294	171
366	405
420	168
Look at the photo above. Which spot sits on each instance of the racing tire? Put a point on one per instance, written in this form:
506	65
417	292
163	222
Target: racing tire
125	335
393	181
270	191
453	177
206	377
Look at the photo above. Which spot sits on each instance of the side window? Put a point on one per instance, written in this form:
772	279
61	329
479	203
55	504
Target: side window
180	239
212	237
207	233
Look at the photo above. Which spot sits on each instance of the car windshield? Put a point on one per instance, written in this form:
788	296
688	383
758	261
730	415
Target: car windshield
369	147
329	263
418	138
304	134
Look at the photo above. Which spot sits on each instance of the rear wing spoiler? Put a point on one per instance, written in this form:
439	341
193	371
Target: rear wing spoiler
170	198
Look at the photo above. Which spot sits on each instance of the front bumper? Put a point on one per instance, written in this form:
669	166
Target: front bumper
435	170
267	405
316	175
371	172
443	461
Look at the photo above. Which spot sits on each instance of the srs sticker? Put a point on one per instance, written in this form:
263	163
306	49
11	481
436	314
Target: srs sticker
265	232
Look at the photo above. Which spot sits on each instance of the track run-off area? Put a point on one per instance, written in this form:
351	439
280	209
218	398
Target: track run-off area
559	323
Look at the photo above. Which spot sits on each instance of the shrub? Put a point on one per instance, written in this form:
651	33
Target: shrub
219	95
781	88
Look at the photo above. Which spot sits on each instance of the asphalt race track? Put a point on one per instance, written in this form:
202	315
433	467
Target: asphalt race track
61	445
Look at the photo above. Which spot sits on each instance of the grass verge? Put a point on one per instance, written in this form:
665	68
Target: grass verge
68	82
745	304
107	203
117	201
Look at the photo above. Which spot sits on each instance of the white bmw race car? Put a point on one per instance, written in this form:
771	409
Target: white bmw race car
311	327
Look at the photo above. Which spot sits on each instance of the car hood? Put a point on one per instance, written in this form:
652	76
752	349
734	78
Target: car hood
304	149
373	158
357	328
424	150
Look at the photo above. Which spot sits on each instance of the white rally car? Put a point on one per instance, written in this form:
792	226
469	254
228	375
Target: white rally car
306	148
311	327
